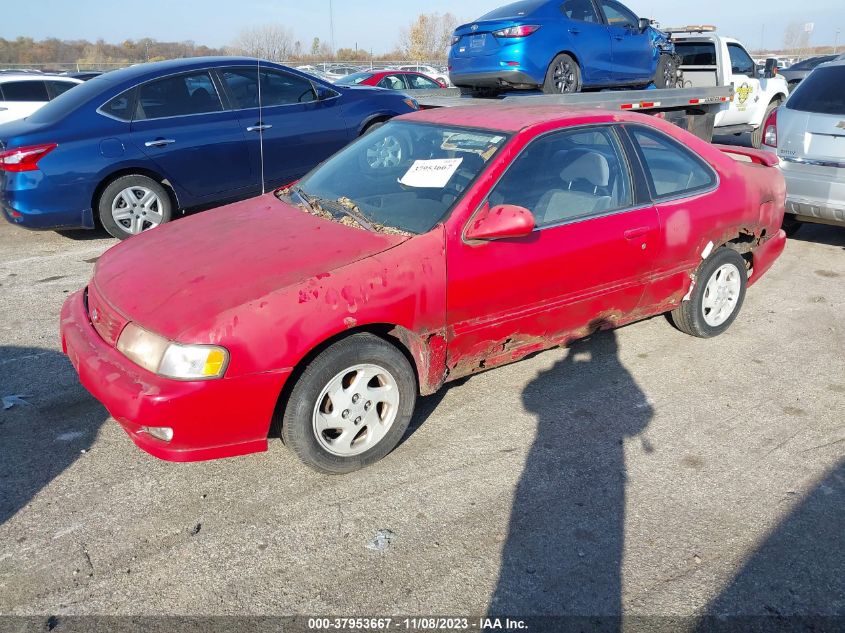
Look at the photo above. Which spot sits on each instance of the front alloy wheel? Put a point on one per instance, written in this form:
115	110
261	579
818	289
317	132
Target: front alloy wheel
351	405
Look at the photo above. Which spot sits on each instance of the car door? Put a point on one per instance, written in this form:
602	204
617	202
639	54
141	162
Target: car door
682	186
21	98
590	39
633	51
180	124
298	129
746	87
585	265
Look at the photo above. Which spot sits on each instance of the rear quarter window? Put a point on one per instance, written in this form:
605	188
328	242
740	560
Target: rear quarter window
672	170
821	92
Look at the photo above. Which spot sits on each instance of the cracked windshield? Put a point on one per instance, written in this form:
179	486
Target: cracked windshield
400	178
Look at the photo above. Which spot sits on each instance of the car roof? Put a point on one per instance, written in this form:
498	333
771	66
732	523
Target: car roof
6	77
149	70
514	118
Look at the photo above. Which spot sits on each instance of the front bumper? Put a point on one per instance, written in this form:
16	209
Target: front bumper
210	419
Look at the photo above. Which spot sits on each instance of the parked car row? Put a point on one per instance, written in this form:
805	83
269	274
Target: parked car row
21	94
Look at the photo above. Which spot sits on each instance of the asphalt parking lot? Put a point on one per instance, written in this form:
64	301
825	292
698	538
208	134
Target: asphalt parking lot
641	472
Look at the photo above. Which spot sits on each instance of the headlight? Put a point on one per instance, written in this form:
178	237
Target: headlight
172	360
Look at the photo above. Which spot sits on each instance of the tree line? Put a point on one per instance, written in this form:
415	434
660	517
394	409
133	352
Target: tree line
426	38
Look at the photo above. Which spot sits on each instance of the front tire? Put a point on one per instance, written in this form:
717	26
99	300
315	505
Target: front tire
351	405
133	204
666	74
717	297
563	76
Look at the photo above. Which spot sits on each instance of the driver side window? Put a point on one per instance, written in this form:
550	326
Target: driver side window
279	88
741	62
580	10
619	15
568	176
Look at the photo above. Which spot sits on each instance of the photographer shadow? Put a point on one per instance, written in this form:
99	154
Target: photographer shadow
564	549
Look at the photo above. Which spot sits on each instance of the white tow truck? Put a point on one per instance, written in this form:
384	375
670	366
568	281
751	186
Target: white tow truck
723	91
709	59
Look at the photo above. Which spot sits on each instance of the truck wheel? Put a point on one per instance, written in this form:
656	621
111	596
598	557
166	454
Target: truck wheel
757	135
351	406
563	76
666	75
717	297
133	204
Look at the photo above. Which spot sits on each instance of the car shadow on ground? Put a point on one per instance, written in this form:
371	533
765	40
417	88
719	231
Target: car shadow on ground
85	235
821	234
50	425
564	548
795	580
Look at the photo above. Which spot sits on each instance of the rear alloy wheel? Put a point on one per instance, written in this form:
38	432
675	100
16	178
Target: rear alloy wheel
351	405
386	153
133	204
563	76
717	297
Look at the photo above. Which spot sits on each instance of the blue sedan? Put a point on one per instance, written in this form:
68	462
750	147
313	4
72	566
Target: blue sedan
130	148
561	46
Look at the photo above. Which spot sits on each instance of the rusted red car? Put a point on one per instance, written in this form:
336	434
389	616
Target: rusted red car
443	243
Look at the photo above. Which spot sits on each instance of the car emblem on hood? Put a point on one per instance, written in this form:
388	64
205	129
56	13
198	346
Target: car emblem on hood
474	27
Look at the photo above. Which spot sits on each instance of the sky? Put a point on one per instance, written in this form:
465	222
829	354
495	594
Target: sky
375	24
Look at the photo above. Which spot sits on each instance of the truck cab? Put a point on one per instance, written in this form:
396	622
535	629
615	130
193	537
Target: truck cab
709	59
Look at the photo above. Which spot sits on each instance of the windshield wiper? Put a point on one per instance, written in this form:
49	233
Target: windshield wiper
332	208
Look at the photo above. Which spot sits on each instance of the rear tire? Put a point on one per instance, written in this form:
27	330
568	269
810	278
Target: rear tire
351	406
563	76
757	135
133	204
717	297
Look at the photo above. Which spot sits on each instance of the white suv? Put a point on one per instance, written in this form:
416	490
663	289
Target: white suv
808	134
21	94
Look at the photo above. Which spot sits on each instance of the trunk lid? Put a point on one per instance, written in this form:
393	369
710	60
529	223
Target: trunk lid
805	136
198	267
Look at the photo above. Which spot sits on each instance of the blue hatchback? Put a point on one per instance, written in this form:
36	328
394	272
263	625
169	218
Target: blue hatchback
130	148
561	46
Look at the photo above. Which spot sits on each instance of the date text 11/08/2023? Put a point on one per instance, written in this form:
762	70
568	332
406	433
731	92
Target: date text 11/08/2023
417	624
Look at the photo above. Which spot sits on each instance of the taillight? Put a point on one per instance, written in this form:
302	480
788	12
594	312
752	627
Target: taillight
455	39
770	130
24	158
517	31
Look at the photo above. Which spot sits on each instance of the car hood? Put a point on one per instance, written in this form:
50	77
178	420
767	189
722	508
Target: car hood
169	278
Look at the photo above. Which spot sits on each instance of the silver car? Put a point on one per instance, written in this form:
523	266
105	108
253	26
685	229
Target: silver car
808	134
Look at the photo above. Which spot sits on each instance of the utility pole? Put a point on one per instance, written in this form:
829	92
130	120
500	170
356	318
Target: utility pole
331	24
836	41
762	37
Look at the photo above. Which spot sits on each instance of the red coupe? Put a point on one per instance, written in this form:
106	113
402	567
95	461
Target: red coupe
444	243
392	80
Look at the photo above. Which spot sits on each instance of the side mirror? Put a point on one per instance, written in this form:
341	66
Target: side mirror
502	221
644	24
771	68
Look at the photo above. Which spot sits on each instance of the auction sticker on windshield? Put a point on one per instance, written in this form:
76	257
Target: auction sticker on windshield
433	173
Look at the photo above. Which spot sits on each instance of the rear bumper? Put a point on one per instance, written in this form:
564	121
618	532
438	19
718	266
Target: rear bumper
765	255
815	192
493	79
210	419
28	201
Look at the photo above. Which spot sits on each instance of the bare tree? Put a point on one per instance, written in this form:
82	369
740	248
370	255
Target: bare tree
796	36
270	41
428	37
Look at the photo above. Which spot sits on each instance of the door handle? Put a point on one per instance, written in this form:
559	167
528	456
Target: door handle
574	31
160	142
632	234
258	128
618	38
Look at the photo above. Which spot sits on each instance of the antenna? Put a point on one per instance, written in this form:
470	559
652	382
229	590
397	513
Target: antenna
260	128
